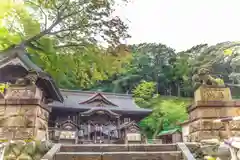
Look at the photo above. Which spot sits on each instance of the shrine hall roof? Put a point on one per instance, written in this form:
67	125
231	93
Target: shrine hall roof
117	102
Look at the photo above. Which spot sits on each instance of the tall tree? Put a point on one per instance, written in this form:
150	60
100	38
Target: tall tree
65	32
148	63
72	23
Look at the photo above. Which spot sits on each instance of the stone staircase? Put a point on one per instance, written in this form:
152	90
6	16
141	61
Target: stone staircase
119	152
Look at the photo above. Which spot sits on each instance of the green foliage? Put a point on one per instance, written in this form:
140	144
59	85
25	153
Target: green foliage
167	113
144	92
174	111
172	72
62	32
220	81
3	86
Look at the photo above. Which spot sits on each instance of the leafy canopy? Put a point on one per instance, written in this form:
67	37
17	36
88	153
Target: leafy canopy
66	32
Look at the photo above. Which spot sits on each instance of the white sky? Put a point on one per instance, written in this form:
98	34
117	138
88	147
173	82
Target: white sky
182	24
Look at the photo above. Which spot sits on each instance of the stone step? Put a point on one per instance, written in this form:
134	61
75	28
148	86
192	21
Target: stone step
168	155
119	148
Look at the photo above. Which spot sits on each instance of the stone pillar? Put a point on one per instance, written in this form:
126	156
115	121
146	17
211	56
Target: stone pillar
23	114
211	103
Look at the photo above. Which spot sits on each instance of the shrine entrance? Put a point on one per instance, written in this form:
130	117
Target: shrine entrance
98	137
100	126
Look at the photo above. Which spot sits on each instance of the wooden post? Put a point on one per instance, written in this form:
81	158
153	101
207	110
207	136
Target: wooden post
108	137
118	127
89	130
95	133
76	137
125	136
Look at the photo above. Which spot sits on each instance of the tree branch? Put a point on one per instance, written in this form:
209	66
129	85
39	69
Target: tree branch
59	7
45	17
41	34
73	13
63	30
47	31
35	47
41	9
69	45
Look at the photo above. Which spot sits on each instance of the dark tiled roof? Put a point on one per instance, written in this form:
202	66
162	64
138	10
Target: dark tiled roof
125	103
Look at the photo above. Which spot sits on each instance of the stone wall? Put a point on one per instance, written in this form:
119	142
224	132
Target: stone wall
23	114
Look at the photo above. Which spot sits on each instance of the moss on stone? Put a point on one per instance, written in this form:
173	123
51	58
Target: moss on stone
20	150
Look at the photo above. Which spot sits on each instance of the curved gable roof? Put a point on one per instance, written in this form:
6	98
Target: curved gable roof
98	97
95	110
68	122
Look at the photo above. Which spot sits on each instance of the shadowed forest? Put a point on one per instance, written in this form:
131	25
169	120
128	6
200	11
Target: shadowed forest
64	38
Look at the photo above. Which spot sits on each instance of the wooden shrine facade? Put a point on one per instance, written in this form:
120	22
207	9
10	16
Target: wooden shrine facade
97	118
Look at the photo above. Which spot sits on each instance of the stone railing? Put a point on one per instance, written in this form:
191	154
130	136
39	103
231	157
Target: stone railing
199	151
187	155
50	155
2	150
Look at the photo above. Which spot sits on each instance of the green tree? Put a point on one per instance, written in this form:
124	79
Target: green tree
64	32
144	92
72	24
167	111
149	62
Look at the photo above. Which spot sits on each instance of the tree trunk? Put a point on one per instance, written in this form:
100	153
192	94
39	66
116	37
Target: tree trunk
170	90
159	128
155	133
178	90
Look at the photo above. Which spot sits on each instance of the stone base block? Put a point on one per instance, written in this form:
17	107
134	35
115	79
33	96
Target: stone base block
206	124
22	134
214	112
13	133
26	121
200	135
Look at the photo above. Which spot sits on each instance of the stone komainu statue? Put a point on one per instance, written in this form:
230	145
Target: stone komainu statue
203	77
30	78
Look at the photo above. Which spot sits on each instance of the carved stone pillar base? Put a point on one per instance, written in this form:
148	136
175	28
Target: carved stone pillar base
23	115
206	129
211	103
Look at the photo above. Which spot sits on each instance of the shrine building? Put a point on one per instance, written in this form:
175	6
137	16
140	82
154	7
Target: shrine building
77	117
